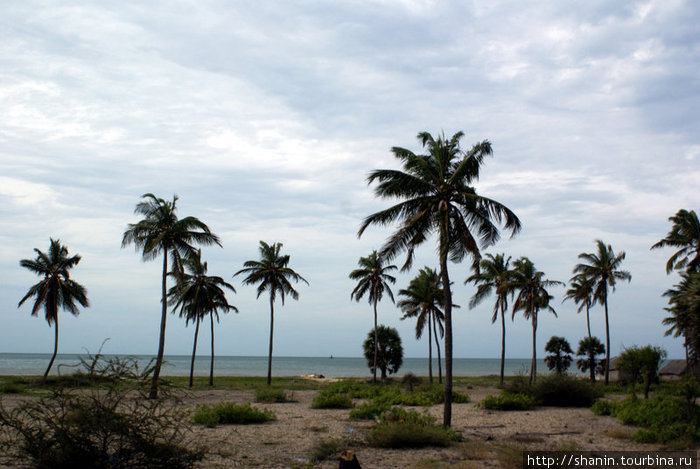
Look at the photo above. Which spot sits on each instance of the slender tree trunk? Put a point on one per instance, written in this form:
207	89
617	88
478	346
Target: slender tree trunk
161	342
447	410
430	347
591	366
211	365
588	320
194	351
533	366
55	347
503	340
376	343
437	346
607	341
272	327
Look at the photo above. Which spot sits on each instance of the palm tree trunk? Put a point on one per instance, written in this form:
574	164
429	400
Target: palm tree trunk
607	340
591	366
447	410
161	342
430	348
376	343
437	346
588	320
55	347
272	327
533	365
503	340
194	351
211	365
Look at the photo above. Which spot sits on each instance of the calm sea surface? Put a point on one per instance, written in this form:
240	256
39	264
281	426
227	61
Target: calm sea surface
179	365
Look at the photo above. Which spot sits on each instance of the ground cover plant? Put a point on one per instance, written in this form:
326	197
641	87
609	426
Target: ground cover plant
401	428
229	413
509	401
271	395
557	390
332	401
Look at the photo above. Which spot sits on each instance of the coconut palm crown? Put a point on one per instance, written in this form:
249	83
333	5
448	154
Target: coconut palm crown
581	292
685	235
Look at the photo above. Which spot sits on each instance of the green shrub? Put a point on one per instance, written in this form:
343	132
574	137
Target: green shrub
270	396
354	389
509	401
326	449
332	401
400	428
226	413
564	391
368	411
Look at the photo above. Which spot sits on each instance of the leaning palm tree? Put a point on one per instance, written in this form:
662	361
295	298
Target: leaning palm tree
581	292
532	296
162	232
197	295
373	279
56	289
685	235
437	196
272	274
603	269
423	300
492	276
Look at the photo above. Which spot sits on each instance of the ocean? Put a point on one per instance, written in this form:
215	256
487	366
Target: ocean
336	367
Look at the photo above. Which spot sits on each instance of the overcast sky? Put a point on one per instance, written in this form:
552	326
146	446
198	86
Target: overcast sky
266	117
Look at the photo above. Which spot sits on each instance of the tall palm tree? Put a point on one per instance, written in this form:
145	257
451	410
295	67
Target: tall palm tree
438	197
493	276
373	279
272	274
197	295
603	269
684	306
423	300
532	296
581	292
56	289
685	235
162	232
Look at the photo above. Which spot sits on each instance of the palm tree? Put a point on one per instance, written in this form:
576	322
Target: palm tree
438	197
196	295
684	306
589	348
390	350
423	300
493	275
273	274
581	292
55	289
162	232
372	278
603	269
532	296
684	234
560	351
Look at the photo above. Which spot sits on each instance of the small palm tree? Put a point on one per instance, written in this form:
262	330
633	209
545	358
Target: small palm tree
272	274
373	279
559	357
532	296
685	235
162	232
390	350
423	300
603	269
437	197
589	348
196	295
581	292
684	306
493	276
56	289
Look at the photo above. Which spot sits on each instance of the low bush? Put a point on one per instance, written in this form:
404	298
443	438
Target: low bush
271	396
326	449
368	411
400	428
565	391
509	401
12	385
228	413
332	401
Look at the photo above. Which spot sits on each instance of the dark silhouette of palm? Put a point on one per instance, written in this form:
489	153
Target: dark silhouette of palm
684	306
423	300
532	296
493	276
272	274
581	292
390	350
56	289
559	358
197	295
685	235
373	279
162	232
438	198
589	348
603	269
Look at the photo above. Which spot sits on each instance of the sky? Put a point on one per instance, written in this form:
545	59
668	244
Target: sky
265	119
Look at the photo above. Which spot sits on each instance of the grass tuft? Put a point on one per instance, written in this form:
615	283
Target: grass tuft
228	413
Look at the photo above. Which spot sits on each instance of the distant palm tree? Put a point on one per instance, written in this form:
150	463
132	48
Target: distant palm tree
589	348
684	234
581	292
603	268
532	296
684	306
493	276
438	197
196	295
272	274
161	232
56	289
559	358
373	279
423	300
390	350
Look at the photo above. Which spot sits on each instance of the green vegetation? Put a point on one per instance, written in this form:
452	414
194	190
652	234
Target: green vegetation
509	401
557	391
388	348
400	428
589	348
369	411
229	413
270	396
642	363
326	449
332	401
559	358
